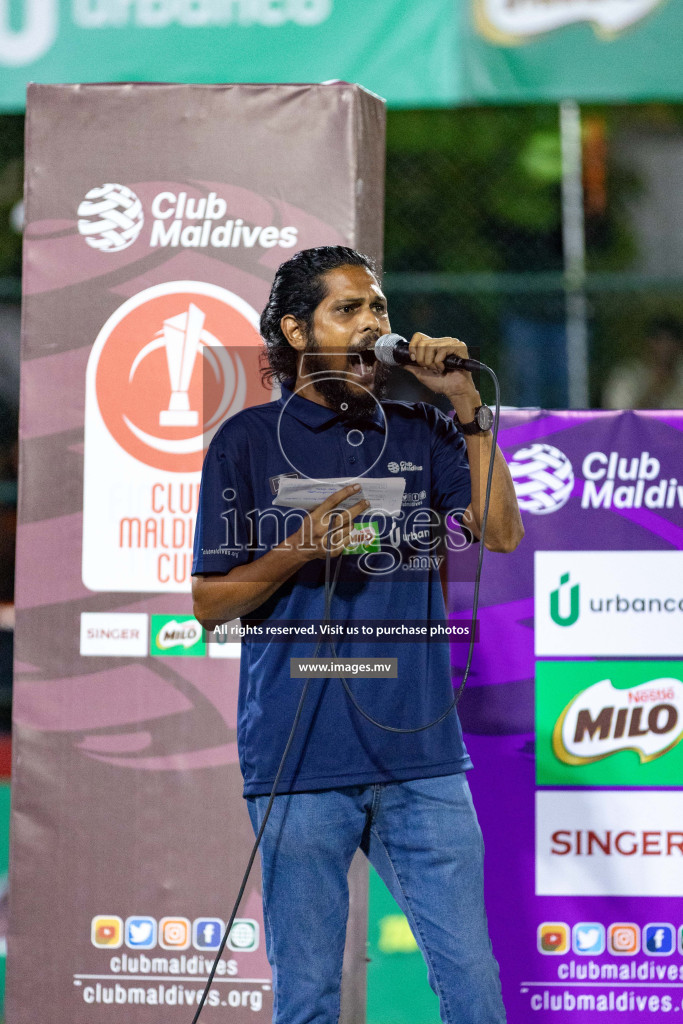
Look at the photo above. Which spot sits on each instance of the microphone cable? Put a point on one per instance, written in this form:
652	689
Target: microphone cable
330	586
475	599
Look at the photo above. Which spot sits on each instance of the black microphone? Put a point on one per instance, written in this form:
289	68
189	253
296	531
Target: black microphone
393	350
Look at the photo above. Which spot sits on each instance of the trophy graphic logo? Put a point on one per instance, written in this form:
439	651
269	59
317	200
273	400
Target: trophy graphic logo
198	364
182	336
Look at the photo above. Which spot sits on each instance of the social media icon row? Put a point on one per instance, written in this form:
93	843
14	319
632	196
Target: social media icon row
589	938
177	933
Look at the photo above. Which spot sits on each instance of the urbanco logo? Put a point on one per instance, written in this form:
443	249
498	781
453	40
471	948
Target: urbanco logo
565	616
543	478
110	217
169	367
608	603
40	20
38	32
507	22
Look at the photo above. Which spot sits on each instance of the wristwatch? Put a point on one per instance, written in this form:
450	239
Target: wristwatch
482	422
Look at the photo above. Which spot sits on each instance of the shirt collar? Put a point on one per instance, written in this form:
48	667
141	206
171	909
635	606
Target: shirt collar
319	417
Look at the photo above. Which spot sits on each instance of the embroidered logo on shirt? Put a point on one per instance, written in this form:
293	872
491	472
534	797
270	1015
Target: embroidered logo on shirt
274	481
413	497
403	467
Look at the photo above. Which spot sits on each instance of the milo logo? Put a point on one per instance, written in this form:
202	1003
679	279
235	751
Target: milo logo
177	636
603	719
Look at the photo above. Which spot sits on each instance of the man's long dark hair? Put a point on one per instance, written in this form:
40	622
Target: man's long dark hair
298	288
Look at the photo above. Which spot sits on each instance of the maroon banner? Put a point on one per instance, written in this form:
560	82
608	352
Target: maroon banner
156	217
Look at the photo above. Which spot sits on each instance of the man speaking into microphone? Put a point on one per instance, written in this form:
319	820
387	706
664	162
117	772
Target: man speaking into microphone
398	792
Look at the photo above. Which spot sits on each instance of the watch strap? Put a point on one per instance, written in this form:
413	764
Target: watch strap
475	427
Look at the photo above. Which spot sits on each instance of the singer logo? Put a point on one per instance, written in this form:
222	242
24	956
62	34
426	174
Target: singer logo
609	843
170	365
515	21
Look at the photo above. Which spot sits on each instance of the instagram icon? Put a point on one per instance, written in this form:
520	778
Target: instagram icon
624	939
174	933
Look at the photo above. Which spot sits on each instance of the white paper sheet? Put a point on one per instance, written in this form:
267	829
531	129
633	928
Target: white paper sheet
383	493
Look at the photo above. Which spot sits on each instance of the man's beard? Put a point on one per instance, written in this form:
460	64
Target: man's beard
335	389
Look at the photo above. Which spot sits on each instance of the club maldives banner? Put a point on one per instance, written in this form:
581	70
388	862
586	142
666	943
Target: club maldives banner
574	719
157	216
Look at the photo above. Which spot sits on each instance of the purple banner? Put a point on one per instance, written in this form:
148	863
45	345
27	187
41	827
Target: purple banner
574	715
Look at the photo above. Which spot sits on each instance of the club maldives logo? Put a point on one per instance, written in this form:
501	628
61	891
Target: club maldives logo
613	480
110	218
543	478
510	22
169	367
602	720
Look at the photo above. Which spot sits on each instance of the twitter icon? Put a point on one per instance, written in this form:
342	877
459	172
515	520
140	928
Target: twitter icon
588	938
141	932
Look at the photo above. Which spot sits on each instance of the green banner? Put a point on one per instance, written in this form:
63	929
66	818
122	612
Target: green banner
590	50
415	53
401	50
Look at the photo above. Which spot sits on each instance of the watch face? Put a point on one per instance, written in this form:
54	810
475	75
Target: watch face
484	417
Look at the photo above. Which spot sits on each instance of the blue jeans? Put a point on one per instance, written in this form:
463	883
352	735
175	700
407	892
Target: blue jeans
424	841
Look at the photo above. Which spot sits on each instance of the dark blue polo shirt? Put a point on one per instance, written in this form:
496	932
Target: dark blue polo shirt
334	745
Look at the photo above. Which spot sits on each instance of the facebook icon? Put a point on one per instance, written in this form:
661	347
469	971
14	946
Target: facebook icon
207	932
659	939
